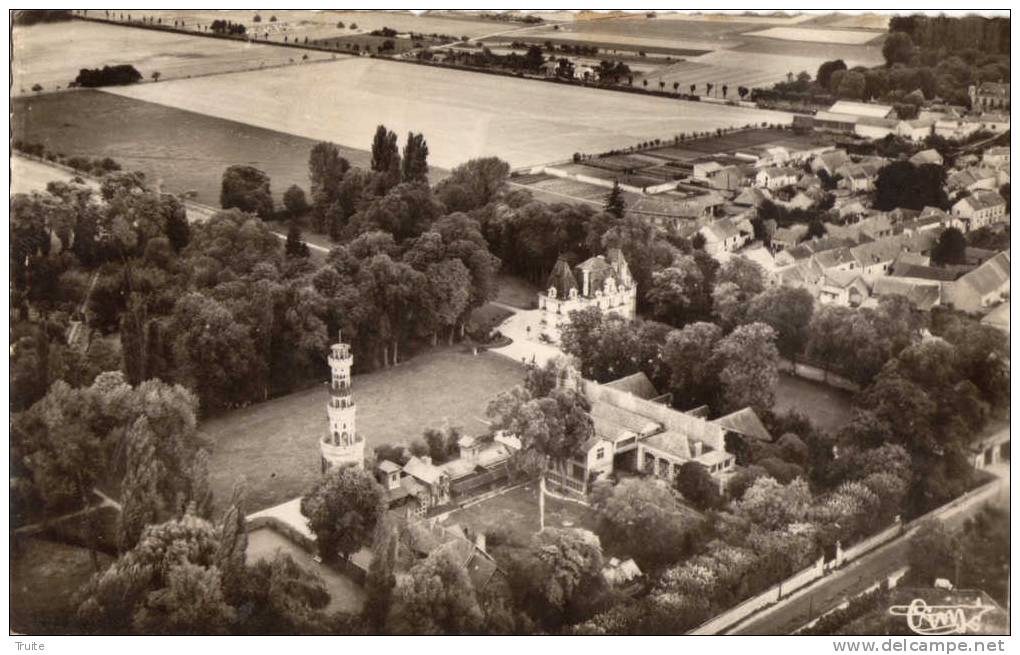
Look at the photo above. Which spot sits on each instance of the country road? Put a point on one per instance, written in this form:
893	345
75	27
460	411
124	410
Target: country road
827	593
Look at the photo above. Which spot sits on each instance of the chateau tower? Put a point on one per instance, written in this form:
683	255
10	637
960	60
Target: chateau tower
341	445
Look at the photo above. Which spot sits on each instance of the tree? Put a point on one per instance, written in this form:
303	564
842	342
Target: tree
246	188
159	583
326	170
559	575
436	597
901	184
640	517
826	70
473	184
680	294
788	311
614	201
933	552
951	248
295	246
156	75
747	275
294	201
178	230
748	372
898	49
852	85
342	509
414	166
697	486
689	355
386	157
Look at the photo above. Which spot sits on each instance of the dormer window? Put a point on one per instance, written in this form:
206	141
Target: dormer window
552	292
573	294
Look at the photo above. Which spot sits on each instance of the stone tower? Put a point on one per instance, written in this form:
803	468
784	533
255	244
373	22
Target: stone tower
341	445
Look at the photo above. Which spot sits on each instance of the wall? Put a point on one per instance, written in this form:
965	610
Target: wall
872	542
809	372
724	621
802	579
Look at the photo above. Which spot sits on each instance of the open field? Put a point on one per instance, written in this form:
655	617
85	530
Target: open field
462	114
44	577
51	54
679	47
274	444
827	407
344	594
845	37
181	150
297	24
28	175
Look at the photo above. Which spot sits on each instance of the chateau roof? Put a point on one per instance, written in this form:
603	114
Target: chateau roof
561	279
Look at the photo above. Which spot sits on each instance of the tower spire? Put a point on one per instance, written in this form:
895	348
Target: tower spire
341	445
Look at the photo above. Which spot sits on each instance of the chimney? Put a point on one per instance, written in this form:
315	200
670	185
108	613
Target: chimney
696	448
480	541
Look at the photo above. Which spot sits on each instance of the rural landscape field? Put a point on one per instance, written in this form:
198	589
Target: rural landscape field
463	115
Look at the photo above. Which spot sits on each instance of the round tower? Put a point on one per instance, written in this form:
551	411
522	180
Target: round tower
341	445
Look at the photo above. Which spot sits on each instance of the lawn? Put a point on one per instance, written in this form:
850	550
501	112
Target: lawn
274	445
827	407
28	175
344	594
512	517
462	114
180	150
44	577
51	54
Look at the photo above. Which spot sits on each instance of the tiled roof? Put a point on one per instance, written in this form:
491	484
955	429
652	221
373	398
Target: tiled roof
670	442
613	423
922	295
860	109
386	466
929	156
982	199
561	279
637	384
921	272
745	422
834	257
422	471
988	277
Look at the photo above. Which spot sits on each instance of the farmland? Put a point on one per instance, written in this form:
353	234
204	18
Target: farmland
187	152
50	55
845	37
462	115
28	175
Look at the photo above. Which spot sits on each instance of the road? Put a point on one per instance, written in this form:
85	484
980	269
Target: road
834	589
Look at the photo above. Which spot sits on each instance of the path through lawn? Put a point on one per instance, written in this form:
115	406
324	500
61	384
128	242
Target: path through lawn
274	445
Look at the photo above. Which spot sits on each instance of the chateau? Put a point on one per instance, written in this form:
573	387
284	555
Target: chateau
602	281
341	445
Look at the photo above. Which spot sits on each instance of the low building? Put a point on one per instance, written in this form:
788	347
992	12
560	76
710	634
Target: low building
989	96
983	288
603	282
843	288
973	179
980	208
726	235
873	110
829	162
929	156
996	157
922	294
776	177
429	485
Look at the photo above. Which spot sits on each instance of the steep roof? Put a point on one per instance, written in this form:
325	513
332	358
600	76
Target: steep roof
834	257
637	384
561	279
599	270
922	295
929	156
613	423
998	317
876	252
988	277
745	422
423	471
722	229
671	442
982	199
922	272
752	197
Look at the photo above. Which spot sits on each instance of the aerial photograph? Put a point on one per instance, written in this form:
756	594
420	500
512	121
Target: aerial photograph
572	323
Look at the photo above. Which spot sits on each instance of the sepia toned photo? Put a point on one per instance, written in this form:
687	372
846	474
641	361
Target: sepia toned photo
335	322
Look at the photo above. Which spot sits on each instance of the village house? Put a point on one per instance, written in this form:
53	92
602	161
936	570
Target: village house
726	235
604	282
829	162
728	178
752	197
876	257
927	157
972	179
982	288
989	96
843	288
980	208
996	157
776	177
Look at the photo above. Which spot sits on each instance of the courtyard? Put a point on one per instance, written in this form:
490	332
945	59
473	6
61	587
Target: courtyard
274	445
827	407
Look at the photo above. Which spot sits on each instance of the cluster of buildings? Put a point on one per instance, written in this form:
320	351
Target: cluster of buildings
990	112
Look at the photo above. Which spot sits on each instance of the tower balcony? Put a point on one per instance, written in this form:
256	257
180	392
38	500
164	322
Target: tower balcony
340	402
343	454
340	354
341	389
